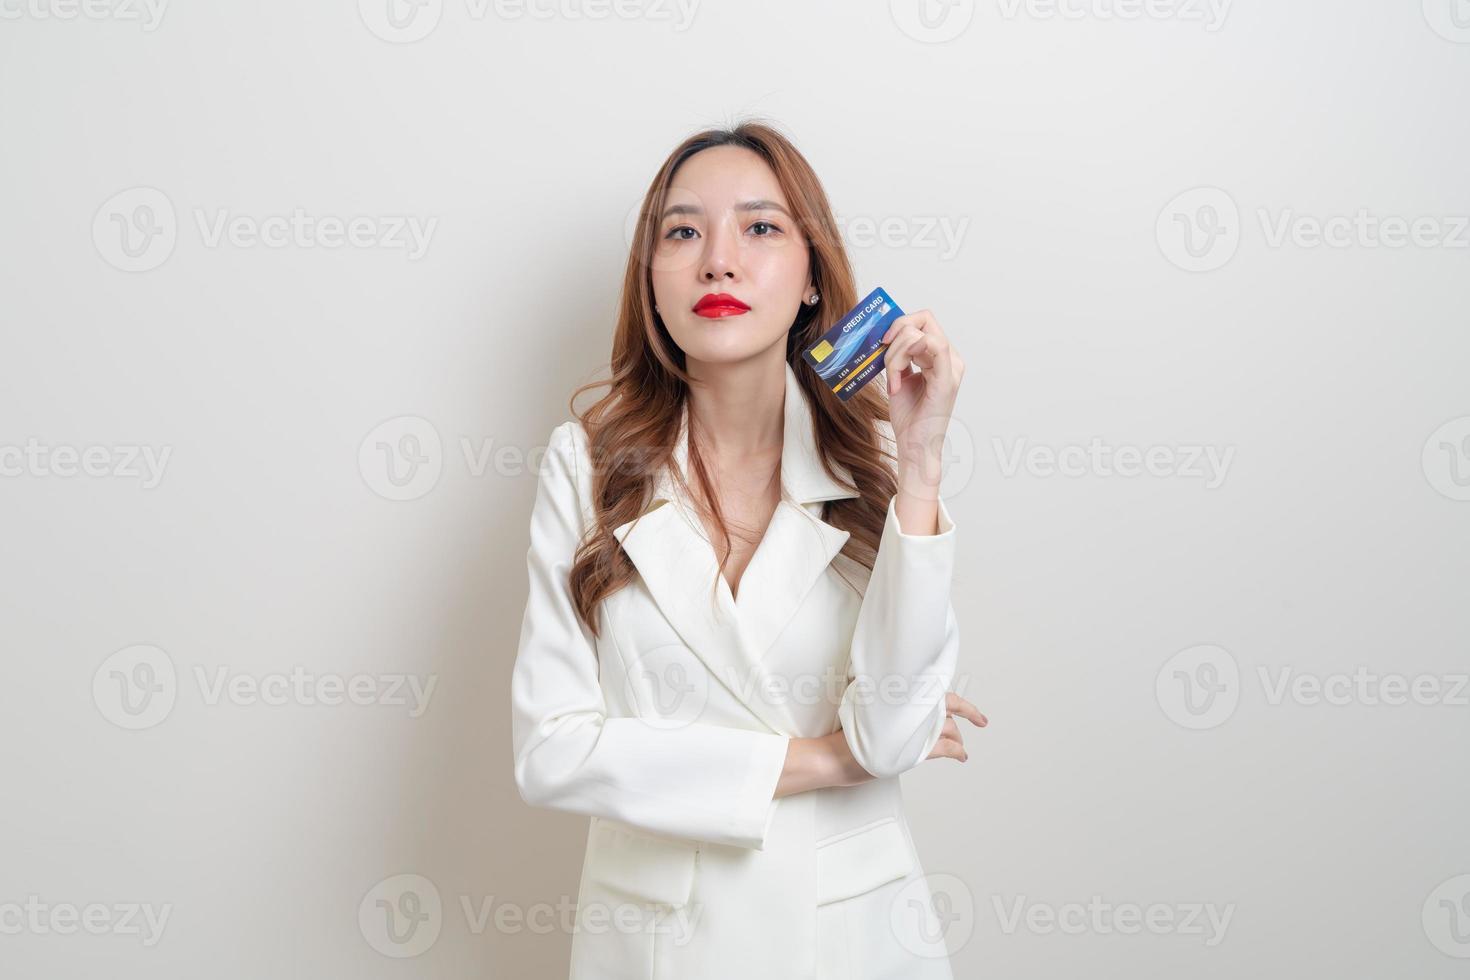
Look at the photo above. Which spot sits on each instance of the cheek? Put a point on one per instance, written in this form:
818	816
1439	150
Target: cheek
777	265
674	259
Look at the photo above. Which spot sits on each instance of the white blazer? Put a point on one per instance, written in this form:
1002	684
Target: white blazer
670	730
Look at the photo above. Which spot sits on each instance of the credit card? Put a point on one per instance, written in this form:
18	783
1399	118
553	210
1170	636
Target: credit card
850	354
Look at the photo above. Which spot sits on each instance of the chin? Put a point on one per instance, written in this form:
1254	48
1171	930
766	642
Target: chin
720	355
717	343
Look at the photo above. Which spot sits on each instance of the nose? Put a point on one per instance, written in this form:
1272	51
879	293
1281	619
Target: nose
721	259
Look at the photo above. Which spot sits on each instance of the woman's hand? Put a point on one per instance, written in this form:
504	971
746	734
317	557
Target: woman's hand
920	404
816	763
842	766
827	760
950	745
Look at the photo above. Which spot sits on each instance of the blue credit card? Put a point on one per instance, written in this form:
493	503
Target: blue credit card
851	354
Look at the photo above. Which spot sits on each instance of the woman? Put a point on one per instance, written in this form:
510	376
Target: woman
735	725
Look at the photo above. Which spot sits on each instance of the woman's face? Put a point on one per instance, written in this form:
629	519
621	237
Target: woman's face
726	229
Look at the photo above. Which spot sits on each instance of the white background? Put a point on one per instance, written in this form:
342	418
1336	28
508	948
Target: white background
1055	150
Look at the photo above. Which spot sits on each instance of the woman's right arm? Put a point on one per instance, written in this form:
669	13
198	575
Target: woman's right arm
697	781
816	763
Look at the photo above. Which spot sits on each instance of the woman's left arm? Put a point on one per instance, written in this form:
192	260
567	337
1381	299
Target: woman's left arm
906	641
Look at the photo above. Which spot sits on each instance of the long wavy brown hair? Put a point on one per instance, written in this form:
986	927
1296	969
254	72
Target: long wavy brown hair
631	429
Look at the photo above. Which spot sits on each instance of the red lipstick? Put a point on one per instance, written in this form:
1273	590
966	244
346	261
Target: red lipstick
719	304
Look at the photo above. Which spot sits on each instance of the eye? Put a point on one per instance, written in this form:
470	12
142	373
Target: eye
673	233
766	224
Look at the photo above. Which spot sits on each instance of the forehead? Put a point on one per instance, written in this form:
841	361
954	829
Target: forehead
722	175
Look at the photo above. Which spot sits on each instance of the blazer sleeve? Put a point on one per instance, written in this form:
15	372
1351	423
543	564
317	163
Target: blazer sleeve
699	781
904	649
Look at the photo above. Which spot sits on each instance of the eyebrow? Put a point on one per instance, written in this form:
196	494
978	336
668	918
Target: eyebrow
760	204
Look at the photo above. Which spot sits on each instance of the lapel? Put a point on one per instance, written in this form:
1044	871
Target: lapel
673	554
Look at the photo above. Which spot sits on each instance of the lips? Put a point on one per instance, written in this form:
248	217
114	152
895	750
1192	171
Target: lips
714	305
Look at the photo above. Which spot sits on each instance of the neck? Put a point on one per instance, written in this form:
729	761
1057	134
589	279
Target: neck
739	407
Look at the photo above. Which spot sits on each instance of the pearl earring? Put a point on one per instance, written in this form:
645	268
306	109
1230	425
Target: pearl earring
812	299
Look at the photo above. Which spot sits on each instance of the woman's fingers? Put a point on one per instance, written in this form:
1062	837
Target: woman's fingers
915	347
917	338
956	705
948	747
909	345
950	744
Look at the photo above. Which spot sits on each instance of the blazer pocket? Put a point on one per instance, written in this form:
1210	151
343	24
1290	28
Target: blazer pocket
861	859
642	866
